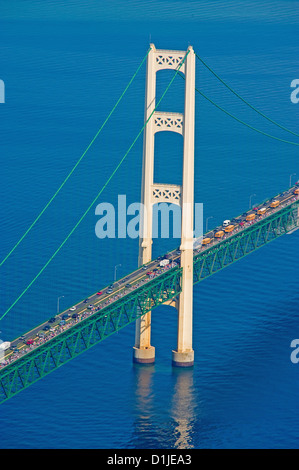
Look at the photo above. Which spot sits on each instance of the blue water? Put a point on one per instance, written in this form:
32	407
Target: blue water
64	65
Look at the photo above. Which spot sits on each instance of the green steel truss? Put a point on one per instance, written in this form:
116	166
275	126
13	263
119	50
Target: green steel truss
244	242
56	352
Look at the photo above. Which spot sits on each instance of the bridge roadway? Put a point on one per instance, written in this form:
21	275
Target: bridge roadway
45	331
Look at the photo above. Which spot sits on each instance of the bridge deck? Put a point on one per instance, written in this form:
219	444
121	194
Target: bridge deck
102	314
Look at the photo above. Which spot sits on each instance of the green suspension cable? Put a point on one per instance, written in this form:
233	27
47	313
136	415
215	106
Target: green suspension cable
244	123
97	196
244	101
239	120
80	159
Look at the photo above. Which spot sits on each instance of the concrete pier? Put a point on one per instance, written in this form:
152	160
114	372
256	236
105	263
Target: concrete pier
144	356
183	359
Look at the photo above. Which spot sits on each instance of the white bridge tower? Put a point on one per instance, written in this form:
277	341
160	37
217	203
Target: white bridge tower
183	196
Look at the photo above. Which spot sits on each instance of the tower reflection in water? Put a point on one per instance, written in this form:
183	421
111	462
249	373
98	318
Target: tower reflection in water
144	436
165	408
183	408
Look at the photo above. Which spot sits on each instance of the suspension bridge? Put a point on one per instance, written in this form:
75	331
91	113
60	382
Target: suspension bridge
166	280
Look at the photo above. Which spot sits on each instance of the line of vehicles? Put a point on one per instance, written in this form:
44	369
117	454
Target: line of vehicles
74	313
252	215
153	268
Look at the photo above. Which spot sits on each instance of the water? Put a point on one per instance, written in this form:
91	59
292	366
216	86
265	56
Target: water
64	67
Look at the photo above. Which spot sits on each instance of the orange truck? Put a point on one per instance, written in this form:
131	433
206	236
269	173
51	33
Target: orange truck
219	234
206	241
230	228
275	203
250	217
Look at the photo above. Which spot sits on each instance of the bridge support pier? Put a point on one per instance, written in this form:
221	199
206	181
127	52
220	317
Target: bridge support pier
144	356
183	359
143	352
183	356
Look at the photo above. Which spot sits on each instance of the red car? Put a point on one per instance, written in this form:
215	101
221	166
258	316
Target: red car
30	341
149	273
99	293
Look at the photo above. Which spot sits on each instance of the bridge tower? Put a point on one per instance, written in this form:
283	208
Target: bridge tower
151	193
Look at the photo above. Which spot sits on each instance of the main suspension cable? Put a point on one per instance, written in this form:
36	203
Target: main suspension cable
239	120
244	123
75	166
242	99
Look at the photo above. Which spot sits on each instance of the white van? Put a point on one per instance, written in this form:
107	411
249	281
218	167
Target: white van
226	223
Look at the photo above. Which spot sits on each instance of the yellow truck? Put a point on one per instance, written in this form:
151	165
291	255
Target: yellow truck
230	228
219	234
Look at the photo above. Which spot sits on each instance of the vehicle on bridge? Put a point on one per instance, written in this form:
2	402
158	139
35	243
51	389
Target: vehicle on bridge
219	234
262	211
164	262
